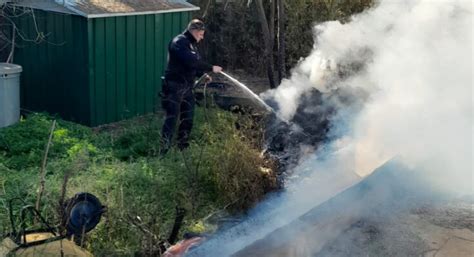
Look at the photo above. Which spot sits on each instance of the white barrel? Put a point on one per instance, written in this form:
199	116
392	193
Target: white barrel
9	94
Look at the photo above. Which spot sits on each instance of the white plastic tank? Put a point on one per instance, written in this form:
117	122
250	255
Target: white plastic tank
9	94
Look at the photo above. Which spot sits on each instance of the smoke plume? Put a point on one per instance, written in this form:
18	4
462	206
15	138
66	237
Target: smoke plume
416	59
413	61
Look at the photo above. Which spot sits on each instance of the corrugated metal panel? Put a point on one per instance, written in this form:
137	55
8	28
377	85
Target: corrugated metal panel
95	71
91	71
150	67
127	61
54	76
99	103
110	71
140	63
131	58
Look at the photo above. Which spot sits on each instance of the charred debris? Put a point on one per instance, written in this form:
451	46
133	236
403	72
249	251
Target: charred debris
319	118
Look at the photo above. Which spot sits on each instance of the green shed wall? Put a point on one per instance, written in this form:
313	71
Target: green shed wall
95	71
126	61
55	74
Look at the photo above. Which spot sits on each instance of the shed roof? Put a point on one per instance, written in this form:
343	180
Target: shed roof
108	8
47	5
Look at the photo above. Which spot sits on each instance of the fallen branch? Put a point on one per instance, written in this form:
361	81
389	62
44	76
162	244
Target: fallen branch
178	222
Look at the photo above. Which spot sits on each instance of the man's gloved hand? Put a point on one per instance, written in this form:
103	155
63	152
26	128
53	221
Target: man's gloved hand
216	69
207	78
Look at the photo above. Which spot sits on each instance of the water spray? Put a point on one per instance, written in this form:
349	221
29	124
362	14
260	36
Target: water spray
256	97
247	90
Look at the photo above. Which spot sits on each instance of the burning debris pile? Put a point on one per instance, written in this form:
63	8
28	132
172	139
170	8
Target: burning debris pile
311	127
314	110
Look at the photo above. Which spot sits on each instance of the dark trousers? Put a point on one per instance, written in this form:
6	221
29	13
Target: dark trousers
178	103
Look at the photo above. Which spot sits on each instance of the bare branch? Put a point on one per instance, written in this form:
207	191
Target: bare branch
9	14
226	4
12	51
207	8
43	166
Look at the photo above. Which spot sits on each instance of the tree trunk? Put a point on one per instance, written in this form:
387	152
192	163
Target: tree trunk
281	41
271	23
267	42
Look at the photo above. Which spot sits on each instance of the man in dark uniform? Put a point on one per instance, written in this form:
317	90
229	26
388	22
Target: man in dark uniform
184	66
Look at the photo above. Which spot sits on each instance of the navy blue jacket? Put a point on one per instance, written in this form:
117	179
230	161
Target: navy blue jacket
184	61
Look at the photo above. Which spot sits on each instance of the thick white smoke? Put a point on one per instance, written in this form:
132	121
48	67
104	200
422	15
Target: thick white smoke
417	69
419	75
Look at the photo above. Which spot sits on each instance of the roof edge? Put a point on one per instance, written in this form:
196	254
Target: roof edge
104	15
67	9
58	8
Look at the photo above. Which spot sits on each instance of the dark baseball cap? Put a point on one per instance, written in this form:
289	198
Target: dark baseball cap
196	24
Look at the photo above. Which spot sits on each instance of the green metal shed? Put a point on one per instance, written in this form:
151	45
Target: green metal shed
95	61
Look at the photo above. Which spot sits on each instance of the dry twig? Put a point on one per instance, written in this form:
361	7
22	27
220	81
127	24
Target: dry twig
43	166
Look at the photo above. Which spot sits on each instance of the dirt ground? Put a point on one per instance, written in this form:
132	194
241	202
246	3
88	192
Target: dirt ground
445	230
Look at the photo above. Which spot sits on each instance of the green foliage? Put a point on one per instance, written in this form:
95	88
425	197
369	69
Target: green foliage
132	140
22	145
119	164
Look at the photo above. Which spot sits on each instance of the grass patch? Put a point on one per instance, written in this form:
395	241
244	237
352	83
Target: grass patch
119	164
